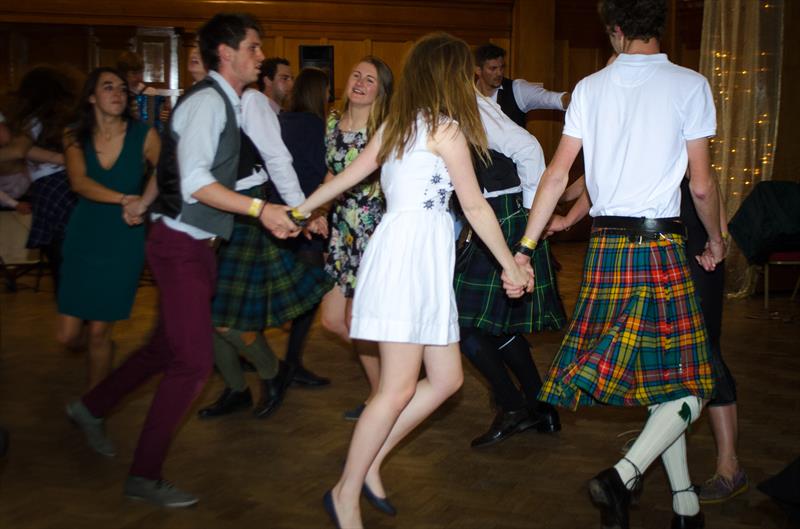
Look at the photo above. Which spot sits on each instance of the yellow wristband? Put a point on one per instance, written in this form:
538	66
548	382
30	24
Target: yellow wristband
527	243
255	207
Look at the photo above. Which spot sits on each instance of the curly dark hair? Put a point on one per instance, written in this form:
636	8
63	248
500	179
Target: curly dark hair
638	19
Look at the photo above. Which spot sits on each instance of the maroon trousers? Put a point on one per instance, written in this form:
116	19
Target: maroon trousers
181	347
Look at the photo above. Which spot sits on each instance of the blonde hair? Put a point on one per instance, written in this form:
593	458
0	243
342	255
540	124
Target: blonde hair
380	107
437	80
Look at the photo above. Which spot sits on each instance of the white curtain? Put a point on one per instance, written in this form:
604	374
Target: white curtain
741	55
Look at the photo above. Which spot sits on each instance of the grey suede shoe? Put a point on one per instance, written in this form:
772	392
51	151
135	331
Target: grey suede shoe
159	492
718	489
93	428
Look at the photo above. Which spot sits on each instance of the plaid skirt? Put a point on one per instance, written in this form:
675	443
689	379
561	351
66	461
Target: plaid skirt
482	302
637	336
260	281
52	203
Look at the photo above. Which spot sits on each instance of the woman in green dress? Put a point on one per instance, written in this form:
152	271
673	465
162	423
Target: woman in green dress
108	154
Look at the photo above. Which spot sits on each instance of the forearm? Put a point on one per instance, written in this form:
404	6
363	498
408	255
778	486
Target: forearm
483	220
40	155
550	190
7	200
218	196
706	201
150	191
578	210
574	190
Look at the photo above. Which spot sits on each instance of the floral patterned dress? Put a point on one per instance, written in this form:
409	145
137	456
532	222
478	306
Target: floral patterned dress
356	212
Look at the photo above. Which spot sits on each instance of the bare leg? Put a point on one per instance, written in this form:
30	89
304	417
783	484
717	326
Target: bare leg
69	332
100	353
444	375
400	365
333	313
725	427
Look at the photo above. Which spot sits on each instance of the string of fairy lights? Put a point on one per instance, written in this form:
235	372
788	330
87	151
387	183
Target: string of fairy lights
743	82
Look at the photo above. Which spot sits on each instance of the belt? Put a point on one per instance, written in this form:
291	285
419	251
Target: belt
640	228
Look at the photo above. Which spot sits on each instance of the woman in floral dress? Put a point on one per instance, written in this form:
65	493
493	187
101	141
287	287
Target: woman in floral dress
356	213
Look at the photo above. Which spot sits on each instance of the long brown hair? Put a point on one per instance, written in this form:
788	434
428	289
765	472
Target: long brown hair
380	107
310	92
437	81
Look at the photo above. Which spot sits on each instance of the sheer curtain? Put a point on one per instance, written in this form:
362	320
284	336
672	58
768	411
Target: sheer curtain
741	55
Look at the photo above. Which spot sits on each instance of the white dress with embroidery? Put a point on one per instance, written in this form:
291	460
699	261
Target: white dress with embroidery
404	291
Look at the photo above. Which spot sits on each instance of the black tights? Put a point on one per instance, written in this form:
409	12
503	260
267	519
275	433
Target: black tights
301	325
493	356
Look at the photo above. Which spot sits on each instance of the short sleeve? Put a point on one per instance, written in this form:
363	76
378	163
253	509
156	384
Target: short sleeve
573	125
700	115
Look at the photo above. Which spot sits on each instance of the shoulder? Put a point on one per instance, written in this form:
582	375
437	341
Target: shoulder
333	120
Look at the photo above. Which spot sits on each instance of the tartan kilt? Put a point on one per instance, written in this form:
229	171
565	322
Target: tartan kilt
260	281
52	202
481	300
637	336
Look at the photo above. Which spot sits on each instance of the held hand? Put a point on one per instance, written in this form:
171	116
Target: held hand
133	206
713	254
319	226
274	218
519	279
556	224
23	208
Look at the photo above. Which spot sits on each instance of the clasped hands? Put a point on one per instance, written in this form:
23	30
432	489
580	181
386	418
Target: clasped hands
274	217
133	209
518	280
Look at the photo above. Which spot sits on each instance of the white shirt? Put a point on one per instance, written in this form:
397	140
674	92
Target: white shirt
635	117
198	123
510	139
531	96
38	170
261	125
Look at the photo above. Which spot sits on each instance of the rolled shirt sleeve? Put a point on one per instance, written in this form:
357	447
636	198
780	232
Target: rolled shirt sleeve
511	140
261	125
530	96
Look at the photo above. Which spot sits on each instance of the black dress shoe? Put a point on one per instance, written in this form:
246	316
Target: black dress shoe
680	521
610	495
382	504
304	377
330	508
504	425
229	402
545	418
272	391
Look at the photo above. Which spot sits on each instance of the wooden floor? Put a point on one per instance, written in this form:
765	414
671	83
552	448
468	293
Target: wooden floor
272	473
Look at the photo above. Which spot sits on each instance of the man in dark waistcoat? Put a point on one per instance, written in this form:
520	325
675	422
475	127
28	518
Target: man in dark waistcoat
196	177
516	97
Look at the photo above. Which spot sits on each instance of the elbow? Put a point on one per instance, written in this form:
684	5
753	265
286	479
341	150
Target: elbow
702	189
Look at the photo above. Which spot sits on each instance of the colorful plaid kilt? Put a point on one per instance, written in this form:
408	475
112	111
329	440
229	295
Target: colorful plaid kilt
637	336
52	203
482	302
260	282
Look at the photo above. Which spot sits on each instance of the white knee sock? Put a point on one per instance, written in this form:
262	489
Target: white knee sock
684	498
666	423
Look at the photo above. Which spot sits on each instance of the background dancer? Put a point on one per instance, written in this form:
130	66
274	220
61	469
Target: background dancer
357	212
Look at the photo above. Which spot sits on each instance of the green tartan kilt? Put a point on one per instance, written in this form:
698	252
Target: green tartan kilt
481	300
637	336
260	281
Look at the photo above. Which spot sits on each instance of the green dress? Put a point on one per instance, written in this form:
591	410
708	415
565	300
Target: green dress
103	256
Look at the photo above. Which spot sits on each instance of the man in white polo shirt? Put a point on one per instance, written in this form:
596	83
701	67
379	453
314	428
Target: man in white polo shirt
637	337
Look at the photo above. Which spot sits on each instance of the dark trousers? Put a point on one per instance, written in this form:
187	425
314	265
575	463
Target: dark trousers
494	356
180	348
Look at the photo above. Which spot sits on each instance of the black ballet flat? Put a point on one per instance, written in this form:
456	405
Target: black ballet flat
382	504
327	501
